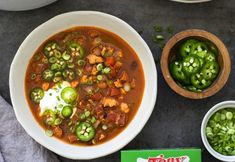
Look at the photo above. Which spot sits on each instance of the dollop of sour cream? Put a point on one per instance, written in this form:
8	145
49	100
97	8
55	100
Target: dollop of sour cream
52	98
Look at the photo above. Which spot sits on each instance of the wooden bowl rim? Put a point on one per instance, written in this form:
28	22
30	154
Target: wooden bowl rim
224	70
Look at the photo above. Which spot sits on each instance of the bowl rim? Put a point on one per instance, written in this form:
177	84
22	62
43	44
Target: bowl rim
145	118
213	110
192	1
222	78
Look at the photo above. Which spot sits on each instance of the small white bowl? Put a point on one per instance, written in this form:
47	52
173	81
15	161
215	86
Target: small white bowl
63	22
219	106
21	5
191	1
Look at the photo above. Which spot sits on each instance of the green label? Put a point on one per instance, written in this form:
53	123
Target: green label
164	155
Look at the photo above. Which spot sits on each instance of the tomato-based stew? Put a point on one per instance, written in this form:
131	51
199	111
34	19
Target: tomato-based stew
84	85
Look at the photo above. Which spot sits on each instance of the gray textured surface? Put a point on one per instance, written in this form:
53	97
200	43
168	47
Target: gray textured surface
175	121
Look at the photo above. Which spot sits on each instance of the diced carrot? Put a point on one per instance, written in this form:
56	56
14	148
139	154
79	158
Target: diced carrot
124	76
72	138
113	73
123	91
84	79
109	61
114	91
97	96
120	54
118	84
57	131
102	85
74	84
102	136
45	86
118	65
94	70
93	33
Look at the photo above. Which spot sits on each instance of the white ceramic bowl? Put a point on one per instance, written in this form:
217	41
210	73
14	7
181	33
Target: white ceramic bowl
221	105
19	5
60	23
191	1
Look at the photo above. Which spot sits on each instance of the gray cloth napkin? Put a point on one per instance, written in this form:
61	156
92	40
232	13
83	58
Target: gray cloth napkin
15	144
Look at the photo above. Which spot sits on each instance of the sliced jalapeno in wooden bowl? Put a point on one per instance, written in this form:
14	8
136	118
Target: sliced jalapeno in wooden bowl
195	64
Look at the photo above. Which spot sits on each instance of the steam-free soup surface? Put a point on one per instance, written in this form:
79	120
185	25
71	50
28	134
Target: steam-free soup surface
84	85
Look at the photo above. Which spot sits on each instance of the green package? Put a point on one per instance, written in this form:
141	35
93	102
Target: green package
163	155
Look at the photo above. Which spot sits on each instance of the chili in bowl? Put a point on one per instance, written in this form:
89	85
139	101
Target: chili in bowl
85	84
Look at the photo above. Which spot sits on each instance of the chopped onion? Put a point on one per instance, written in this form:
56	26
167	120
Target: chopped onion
127	87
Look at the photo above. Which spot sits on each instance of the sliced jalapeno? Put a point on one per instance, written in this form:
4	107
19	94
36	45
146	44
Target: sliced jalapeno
59	65
51	49
210	70
77	50
210	57
200	49
193	89
67	111
71	65
187	47
201	61
85	132
36	94
191	65
50	117
199	81
69	74
48	75
212	47
52	60
69	95
177	71
58	74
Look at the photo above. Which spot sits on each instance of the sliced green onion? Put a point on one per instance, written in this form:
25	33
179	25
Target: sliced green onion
99	67
81	62
93	120
157	28
57	54
229	115
52	60
58	74
58	121
99	77
106	70
37	57
66	56
45	60
159	37
33	76
49	133
220	131
82	116
87	113
71	65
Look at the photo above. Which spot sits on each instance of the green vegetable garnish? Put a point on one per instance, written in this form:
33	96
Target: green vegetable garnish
220	131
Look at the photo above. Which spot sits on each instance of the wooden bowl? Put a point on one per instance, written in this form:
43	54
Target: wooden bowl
223	60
